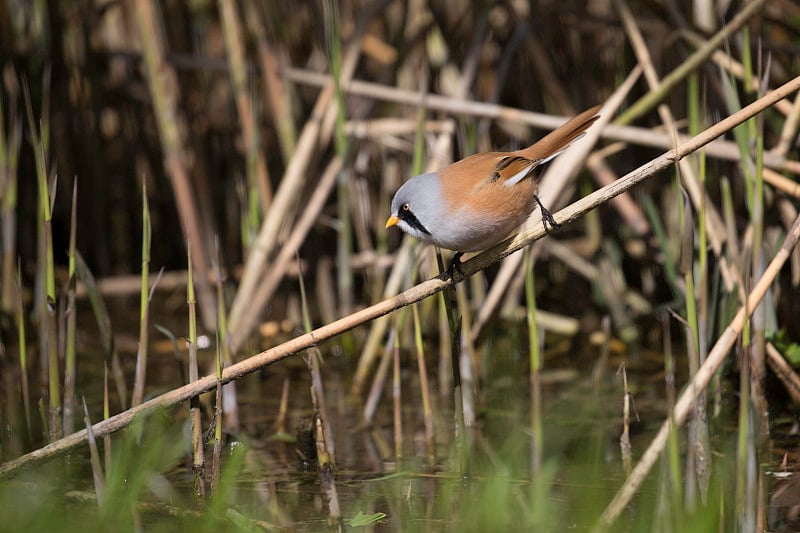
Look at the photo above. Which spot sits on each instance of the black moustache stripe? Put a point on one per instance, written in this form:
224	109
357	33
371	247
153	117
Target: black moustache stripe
409	218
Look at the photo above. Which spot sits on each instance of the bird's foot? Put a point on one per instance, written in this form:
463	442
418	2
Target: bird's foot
455	266
547	217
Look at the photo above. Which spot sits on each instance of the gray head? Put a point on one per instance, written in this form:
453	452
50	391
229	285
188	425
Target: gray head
417	206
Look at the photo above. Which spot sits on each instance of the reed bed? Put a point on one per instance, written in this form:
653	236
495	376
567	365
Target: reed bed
635	369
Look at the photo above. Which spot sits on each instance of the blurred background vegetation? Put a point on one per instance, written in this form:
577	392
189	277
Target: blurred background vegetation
271	136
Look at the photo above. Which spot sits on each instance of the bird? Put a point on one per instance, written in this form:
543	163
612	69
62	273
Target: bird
479	201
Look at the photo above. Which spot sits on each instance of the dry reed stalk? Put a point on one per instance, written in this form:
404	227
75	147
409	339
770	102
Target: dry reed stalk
735	68
106	414
323	421
195	410
97	468
379	378
378	327
432	286
397	403
784	372
626	206
291	184
326	290
283	408
468	365
699	451
256	160
628	209
704	15
278	98
320	405
720	149
230	402
714	226
163	85
425	390
380	127
360	205
270	282
715	358
126	285
216	449
787	212
591	273
782	183
145	295
625	438
325	468
690	64
789	131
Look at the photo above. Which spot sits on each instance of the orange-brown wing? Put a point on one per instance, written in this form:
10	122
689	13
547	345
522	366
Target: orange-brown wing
512	169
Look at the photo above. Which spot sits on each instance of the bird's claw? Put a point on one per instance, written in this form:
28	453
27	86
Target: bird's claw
547	217
455	266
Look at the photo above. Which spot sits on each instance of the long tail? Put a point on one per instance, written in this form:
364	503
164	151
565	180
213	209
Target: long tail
558	139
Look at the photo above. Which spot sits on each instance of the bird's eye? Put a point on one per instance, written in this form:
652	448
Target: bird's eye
405	207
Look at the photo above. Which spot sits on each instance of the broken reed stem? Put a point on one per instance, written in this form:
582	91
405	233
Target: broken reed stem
325	465
314	360
426	289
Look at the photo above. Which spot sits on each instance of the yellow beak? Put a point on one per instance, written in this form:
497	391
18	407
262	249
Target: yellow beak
392	221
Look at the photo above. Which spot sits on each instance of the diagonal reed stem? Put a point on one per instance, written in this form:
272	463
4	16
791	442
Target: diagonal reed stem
715	358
